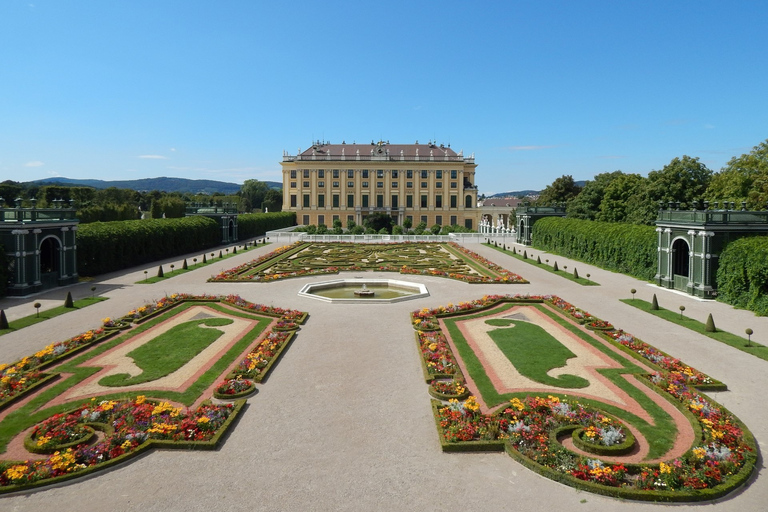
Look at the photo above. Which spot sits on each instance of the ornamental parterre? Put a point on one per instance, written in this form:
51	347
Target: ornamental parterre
101	431
306	259
532	428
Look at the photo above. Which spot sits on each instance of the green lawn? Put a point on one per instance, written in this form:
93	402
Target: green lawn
48	314
729	339
661	434
582	279
534	352
168	352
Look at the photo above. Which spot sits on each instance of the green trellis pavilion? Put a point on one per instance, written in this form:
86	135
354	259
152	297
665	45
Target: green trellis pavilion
690	243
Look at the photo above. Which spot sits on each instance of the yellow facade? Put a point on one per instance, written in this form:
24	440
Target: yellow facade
424	182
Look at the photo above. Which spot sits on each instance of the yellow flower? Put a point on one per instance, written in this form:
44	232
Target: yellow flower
140	399
16	472
126	445
699	452
203	419
517	404
43	440
665	468
471	404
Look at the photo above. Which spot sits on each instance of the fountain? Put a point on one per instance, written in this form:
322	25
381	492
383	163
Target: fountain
355	291
364	292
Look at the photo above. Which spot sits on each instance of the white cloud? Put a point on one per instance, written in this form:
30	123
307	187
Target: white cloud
34	163
154	157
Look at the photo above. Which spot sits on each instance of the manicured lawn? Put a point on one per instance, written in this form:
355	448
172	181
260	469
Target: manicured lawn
582	279
534	352
168	352
728	338
48	314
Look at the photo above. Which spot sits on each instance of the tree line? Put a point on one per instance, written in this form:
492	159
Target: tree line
687	182
114	204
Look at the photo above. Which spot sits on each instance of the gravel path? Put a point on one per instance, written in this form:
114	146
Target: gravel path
344	420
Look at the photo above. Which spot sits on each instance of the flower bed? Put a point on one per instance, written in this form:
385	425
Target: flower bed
262	357
437	358
231	389
448	389
130	427
722	458
305	259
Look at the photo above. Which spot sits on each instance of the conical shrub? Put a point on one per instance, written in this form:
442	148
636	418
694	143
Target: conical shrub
538	260
654	303
554	267
525	254
204	260
710	327
160	271
575	273
68	303
234	251
184	265
3	320
221	255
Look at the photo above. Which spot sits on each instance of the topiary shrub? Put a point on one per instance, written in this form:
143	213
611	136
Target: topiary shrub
184	265
654	303
575	273
3	320
68	302
160	271
554	267
710	327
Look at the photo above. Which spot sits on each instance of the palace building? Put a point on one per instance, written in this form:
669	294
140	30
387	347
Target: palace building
427	183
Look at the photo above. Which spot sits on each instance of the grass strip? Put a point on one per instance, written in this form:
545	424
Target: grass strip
728	338
193	266
544	266
48	314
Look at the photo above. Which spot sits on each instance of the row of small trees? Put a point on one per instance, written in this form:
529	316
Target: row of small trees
632	198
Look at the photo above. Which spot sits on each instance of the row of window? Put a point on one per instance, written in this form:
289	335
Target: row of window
438	220
394	201
379	173
379	184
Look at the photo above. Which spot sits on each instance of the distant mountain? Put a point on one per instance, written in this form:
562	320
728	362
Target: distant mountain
524	193
517	193
181	185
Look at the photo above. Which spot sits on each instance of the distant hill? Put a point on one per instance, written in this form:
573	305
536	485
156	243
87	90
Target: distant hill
524	193
181	185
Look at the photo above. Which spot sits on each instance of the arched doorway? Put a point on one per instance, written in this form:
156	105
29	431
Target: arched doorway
680	263
50	262
231	232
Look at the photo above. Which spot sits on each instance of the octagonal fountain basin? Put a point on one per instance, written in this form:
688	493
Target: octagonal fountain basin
364	291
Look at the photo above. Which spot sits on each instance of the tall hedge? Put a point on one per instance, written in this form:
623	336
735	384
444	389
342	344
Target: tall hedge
250	225
626	248
109	246
742	274
3	272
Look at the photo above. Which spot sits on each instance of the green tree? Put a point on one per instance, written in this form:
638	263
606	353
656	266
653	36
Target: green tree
253	193
273	200
376	221
683	180
613	207
587	204
744	178
407	223
562	190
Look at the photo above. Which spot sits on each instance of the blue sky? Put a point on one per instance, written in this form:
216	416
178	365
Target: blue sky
219	89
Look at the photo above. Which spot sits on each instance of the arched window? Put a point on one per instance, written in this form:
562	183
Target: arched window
468	202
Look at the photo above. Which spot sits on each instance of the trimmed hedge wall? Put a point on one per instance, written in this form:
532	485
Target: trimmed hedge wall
742	274
250	225
3	272
626	248
110	246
